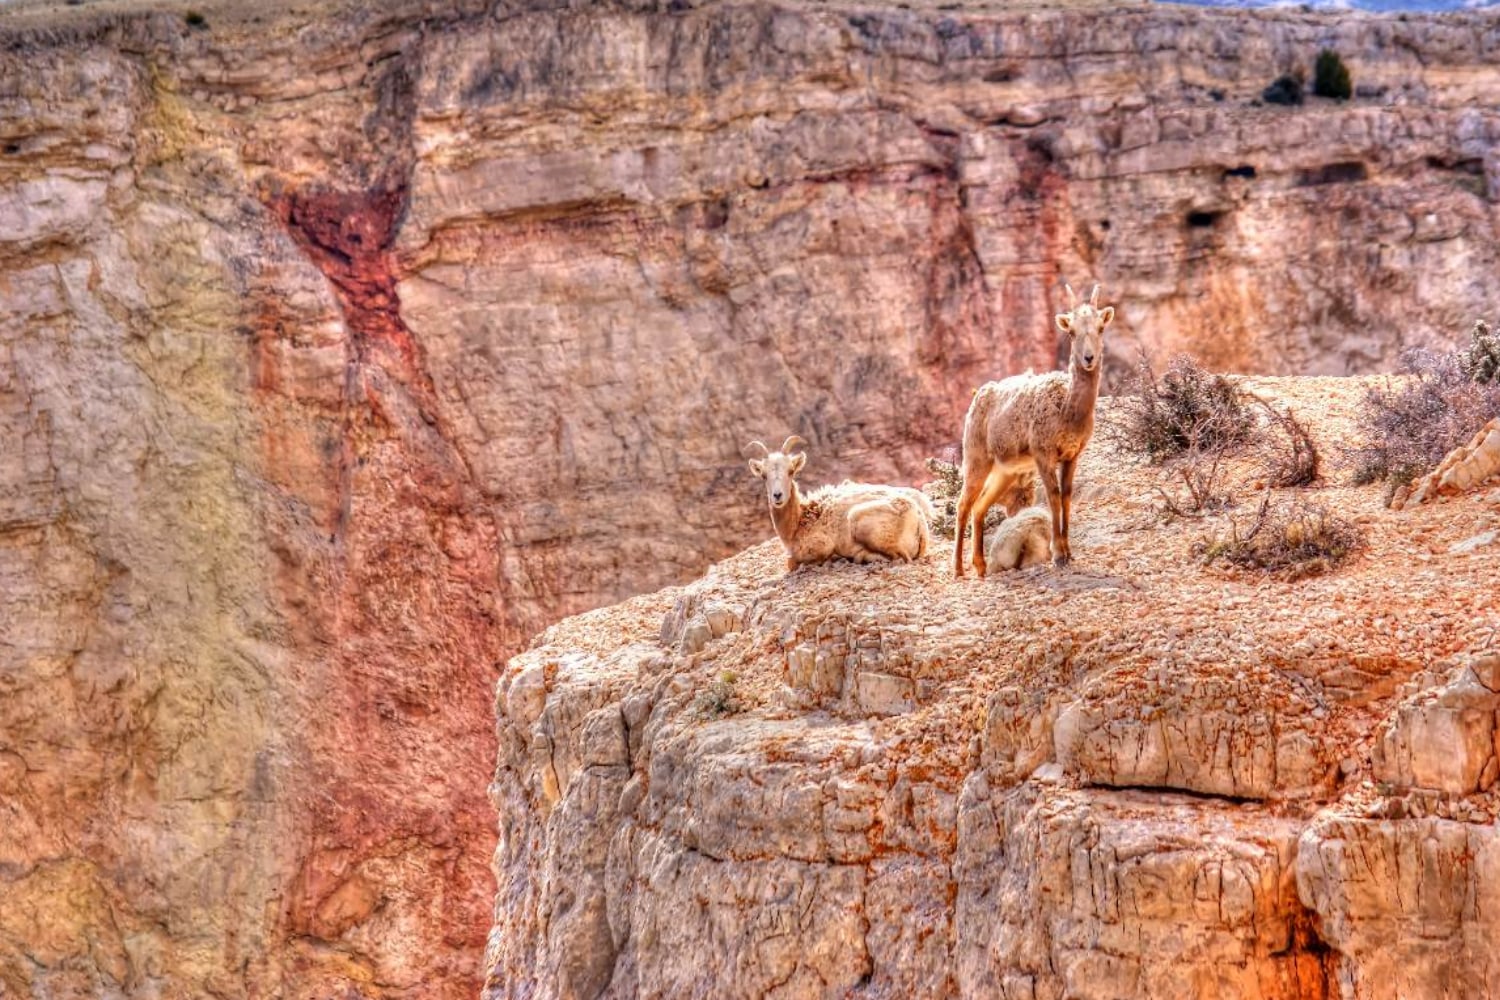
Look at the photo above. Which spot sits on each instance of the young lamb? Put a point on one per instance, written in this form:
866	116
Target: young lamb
856	521
1022	540
1028	422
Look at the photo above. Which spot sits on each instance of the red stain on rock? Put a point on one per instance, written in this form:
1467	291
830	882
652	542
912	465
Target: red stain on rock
400	593
348	235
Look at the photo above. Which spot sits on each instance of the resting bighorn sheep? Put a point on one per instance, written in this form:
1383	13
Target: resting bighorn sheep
855	521
1033	421
1022	540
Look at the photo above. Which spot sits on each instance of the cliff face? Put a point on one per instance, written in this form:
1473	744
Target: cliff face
340	351
1137	777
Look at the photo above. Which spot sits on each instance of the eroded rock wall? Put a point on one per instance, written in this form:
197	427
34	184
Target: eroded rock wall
343	348
1137	778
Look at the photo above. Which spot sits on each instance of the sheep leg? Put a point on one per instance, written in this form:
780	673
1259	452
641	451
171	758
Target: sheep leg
975	474
994	486
1047	469
1065	476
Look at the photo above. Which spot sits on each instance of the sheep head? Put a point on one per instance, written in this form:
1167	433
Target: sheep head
1084	324
778	468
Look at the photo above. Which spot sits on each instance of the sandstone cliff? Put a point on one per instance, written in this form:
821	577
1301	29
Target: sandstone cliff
1138	777
342	347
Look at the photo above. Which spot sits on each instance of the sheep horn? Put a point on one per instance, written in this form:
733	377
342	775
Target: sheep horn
790	443
1094	296
764	451
1072	299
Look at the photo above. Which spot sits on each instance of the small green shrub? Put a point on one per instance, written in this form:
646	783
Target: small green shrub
1331	76
720	697
1286	89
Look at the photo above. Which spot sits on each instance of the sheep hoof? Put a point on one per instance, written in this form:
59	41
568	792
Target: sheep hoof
1061	559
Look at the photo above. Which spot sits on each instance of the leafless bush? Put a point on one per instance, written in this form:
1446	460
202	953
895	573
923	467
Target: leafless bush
1408	429
1202	475
1292	540
1290	457
1187	409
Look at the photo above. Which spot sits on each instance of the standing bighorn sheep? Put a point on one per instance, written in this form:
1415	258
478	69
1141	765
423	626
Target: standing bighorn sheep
1032	421
855	521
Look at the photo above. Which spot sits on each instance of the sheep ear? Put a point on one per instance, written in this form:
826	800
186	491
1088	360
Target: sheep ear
1065	323
758	467
1106	316
798	461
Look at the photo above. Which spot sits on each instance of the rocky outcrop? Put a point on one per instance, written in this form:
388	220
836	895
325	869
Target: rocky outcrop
1135	777
1464	468
345	346
1409	905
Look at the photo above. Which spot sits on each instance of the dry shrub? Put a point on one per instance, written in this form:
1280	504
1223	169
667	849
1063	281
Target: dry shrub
1481	360
1189	420
1291	540
1407	430
1188	409
1202	475
1290	457
944	490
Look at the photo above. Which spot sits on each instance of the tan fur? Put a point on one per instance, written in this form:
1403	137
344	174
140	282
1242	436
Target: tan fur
859	521
1023	539
1032	422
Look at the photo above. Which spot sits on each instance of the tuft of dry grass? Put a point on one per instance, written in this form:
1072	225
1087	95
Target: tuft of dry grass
1290	540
